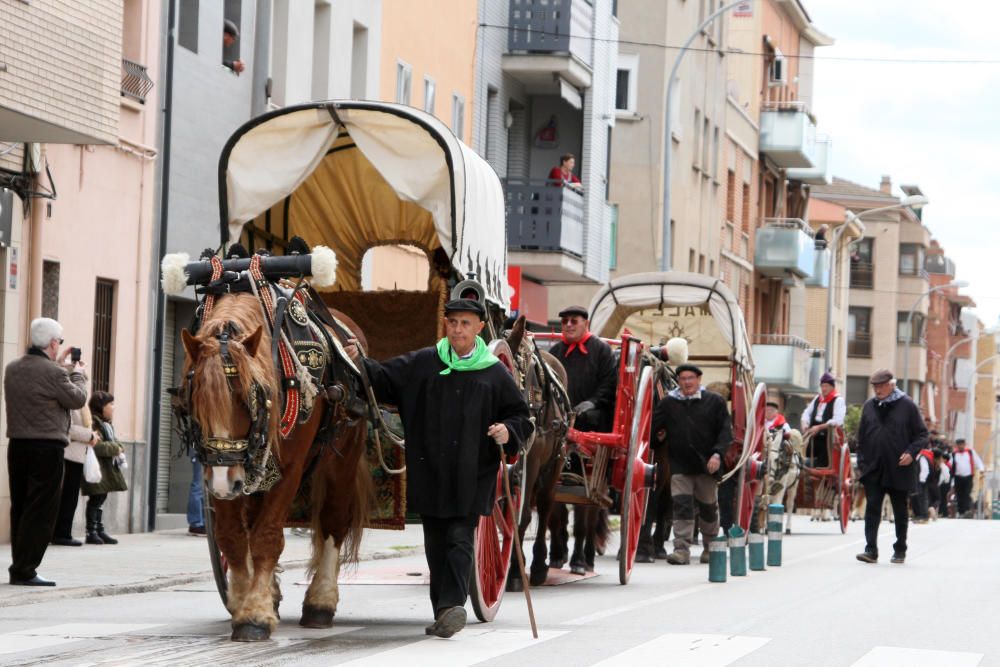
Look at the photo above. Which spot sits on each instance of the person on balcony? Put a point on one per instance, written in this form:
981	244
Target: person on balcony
563	175
230	33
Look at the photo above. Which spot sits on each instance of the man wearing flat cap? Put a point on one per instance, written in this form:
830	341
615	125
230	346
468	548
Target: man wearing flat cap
890	435
457	404
693	423
827	410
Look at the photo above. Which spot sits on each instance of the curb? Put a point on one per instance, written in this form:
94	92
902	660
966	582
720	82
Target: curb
160	583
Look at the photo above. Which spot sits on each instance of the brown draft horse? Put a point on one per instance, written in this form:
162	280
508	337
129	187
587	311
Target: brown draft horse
249	528
551	409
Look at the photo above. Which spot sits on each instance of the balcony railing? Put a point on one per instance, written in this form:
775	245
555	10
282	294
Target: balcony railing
785	246
788	135
859	344
136	84
551	26
543	216
783	361
862	275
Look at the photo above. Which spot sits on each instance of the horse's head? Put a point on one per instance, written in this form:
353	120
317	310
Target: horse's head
230	386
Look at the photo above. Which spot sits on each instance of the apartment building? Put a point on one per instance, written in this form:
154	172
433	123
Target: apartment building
887	281
78	122
291	53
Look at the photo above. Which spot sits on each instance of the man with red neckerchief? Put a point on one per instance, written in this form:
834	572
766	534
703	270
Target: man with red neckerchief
590	368
966	463
775	421
827	409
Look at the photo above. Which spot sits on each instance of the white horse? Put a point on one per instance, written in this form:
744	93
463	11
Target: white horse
784	465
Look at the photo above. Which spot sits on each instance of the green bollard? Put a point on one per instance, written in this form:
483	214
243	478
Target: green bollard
737	552
756	549
775	513
717	560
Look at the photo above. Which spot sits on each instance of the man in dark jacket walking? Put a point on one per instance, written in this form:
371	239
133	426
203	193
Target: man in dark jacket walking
457	404
39	393
693	423
890	435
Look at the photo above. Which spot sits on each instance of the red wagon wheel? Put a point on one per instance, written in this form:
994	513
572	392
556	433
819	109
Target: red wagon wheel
754	439
638	476
220	568
496	532
844	487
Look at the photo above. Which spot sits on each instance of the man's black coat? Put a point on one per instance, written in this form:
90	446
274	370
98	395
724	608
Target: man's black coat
695	430
451	464
886	431
593	376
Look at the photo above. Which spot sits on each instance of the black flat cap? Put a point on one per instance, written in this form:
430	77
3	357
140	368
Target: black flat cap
465	306
688	367
574	310
773	404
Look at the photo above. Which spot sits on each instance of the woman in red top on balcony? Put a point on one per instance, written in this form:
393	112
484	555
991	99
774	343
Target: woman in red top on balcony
563	174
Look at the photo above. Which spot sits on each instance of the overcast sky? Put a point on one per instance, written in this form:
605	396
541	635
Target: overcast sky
933	125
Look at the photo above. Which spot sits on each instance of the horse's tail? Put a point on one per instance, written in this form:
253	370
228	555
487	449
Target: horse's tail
362	500
602	529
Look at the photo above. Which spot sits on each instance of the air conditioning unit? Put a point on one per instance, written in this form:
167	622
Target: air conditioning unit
778	72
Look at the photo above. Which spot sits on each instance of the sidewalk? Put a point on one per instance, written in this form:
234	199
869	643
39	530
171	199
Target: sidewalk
144	562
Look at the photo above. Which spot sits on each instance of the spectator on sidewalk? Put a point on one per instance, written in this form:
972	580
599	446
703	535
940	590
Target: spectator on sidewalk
967	463
919	498
196	499
81	437
110	455
944	482
891	433
40	389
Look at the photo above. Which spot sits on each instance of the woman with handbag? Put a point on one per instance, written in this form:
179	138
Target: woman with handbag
111	457
81	438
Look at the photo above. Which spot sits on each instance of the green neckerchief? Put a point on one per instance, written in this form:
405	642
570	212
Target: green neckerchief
481	357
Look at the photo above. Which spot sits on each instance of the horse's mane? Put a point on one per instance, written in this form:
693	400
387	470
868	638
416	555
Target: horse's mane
209	398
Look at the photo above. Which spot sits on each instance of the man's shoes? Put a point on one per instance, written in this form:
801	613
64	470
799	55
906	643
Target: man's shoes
679	558
868	557
450	621
196	530
34	581
66	542
705	556
661	553
643	556
898	557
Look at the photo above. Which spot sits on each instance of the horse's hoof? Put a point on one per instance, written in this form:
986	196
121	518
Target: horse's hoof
515	585
538	577
557	564
251	632
314	617
578	569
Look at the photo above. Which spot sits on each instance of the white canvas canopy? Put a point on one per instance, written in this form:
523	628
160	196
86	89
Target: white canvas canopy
663	305
354	174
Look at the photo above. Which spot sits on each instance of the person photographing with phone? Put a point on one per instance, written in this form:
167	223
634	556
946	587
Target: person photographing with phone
40	390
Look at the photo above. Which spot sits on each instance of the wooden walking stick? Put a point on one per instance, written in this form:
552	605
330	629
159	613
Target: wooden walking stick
516	547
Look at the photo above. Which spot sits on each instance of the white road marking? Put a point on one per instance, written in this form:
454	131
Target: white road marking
892	656
688	650
468	647
57	635
614	611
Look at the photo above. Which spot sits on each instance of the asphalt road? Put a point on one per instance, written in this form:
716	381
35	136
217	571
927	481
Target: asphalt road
821	607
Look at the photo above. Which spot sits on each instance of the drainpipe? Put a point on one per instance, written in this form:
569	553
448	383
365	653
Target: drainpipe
156	294
35	246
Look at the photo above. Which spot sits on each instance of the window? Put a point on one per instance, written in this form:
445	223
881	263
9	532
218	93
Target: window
50	290
691	259
430	92
187	25
458	115
746	208
730	195
859	333
626	89
359	63
862	268
705	145
492	124
857	389
911	259
697	134
404	76
104	318
322	24
903	331
715	152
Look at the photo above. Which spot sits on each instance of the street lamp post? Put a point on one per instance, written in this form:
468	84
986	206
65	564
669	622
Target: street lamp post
668	120
946	385
911	201
909	327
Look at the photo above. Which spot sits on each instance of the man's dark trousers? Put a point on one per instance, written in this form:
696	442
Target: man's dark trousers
919	501
874	495
963	493
448	545
72	474
35	470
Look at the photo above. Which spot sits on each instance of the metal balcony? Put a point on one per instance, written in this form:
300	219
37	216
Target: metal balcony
788	135
820	173
550	37
862	275
785	246
859	344
784	362
136	83
545	229
821	268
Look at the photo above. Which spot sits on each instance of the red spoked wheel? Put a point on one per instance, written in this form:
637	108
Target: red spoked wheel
754	440
220	568
491	560
638	476
843	498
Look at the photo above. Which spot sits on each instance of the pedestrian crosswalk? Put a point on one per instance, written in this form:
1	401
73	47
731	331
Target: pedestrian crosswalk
157	644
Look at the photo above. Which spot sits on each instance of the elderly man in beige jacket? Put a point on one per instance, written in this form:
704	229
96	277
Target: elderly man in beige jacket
40	389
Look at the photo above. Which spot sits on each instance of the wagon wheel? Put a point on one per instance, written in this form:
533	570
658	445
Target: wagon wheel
496	533
638	476
843	498
220	568
753	440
